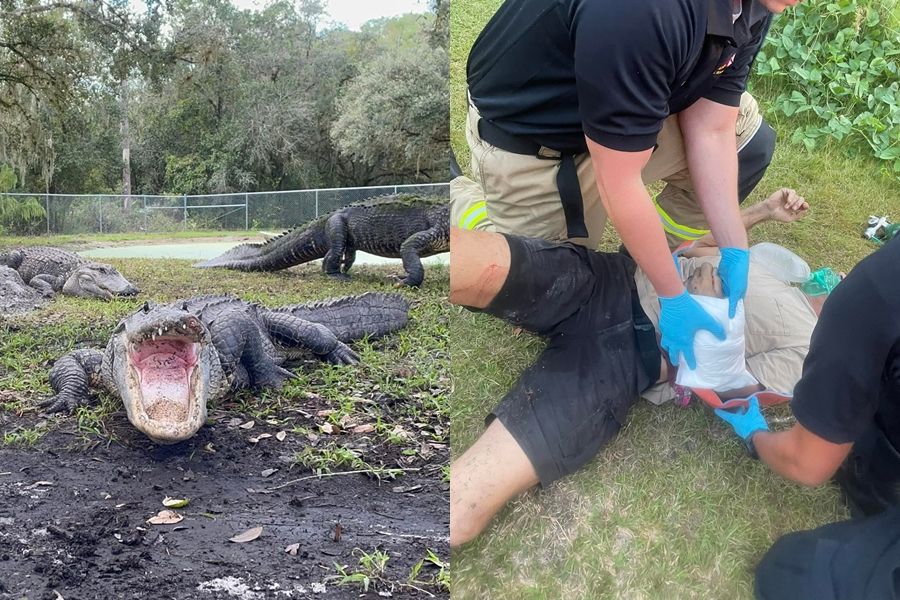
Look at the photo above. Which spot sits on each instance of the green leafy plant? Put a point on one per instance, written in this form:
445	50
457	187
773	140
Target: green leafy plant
836	68
17	214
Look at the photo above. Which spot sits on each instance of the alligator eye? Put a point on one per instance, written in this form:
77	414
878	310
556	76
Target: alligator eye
146	307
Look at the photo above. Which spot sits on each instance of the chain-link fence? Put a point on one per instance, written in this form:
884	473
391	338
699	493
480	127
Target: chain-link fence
92	213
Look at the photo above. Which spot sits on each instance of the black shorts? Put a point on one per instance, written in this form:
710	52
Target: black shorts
575	397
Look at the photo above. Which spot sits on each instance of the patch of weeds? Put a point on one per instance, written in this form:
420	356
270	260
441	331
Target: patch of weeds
441	579
92	420
333	457
23	436
370	571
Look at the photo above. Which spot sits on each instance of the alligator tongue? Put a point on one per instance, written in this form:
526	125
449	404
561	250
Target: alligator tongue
165	370
166	393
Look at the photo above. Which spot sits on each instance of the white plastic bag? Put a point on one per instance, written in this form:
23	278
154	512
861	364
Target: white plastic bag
721	365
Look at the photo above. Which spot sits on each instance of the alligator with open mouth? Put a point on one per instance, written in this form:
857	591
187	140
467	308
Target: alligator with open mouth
166	362
405	226
50	270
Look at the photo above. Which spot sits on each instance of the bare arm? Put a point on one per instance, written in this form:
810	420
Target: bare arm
708	130
785	206
800	455
631	211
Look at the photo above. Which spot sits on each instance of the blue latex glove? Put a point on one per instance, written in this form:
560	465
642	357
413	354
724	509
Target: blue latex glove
733	269
680	318
745	423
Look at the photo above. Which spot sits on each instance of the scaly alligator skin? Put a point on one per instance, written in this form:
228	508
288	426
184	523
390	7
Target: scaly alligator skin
403	226
15	296
166	362
51	270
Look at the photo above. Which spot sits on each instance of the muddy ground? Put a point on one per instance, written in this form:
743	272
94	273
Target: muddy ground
73	520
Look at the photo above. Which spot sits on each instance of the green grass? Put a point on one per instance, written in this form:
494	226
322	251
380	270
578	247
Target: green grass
95	239
402	381
672	508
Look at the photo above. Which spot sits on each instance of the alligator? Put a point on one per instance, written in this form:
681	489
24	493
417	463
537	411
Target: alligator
50	270
167	361
406	226
15	296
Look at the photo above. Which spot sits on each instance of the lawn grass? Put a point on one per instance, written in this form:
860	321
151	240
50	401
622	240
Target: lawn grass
78	241
672	508
401	386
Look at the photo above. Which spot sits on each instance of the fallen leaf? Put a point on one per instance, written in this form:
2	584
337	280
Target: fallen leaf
326	428
37	484
165	517
403	489
261	436
269	472
280	436
235	422
292	549
338	530
210	448
312	437
324	413
248	425
247	536
175	502
365	428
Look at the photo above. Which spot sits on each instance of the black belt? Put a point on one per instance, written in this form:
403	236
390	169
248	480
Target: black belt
645	337
566	178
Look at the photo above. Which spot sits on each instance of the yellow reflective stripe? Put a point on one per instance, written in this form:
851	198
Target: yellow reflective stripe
473	216
677	229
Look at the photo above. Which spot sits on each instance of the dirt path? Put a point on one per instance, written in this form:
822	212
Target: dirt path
73	520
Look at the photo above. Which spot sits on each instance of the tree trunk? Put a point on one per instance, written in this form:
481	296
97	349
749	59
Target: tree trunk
126	146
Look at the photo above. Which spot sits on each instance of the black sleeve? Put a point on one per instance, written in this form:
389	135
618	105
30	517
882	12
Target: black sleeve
731	84
859	329
626	56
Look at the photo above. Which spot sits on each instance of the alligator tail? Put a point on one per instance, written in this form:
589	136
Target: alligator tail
291	248
372	314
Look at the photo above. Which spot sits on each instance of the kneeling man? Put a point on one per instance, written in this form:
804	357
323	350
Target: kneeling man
598	314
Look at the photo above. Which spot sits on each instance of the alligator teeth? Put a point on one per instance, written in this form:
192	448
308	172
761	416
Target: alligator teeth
160	332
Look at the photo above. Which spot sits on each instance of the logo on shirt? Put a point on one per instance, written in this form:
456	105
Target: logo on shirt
721	68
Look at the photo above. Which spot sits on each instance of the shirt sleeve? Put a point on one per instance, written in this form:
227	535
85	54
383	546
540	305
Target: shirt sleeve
729	86
838	395
625	63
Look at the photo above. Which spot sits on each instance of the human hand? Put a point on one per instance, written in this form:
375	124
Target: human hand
680	318
747	421
734	268
786	206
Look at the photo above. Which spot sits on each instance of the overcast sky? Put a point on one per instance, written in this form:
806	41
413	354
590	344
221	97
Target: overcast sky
353	13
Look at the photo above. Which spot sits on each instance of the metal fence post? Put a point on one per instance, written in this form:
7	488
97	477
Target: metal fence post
246	211
100	210
184	218
317	204
47	208
395	190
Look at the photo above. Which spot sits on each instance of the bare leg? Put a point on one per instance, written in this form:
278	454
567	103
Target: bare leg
479	264
490	473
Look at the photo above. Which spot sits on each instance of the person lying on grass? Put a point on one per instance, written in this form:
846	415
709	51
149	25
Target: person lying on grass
574	399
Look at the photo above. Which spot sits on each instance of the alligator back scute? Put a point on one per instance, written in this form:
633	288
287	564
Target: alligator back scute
372	314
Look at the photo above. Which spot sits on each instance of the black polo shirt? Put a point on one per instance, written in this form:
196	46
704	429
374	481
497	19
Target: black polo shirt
851	376
555	70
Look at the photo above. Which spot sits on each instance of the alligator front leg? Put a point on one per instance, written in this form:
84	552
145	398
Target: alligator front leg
410	250
243	353
298	333
45	284
336	230
71	378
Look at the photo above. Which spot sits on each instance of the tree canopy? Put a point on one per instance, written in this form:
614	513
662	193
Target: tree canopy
202	97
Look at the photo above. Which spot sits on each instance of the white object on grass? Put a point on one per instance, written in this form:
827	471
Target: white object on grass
780	262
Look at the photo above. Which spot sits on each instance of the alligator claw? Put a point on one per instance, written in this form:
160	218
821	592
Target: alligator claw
60	403
342	355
